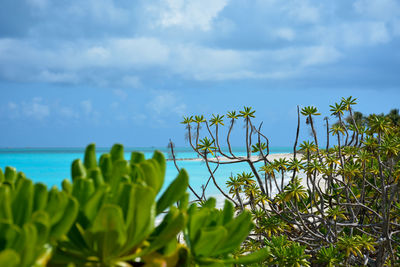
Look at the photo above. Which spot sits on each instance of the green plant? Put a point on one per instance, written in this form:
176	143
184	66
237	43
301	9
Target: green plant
32	219
118	206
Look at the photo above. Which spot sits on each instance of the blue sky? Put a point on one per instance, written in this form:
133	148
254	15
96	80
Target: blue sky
74	72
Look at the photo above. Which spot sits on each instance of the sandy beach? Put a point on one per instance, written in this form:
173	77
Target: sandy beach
271	157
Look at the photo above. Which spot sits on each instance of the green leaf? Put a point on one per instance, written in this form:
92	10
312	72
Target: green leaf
23	202
108	230
143	215
255	257
158	156
10	174
117	152
1	176
82	189
92	206
90	157
67	186
174	192
42	223
238	229
40	196
77	169
150	175
106	167
96	176
66	221
56	204
137	157
9	258
171	225
209	239
5	205
228	212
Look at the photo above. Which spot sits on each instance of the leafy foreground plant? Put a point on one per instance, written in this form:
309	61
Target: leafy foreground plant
31	219
117	210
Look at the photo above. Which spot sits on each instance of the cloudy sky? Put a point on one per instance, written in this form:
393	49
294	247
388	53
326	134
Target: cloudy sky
74	72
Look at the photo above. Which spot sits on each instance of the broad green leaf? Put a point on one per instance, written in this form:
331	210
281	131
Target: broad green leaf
82	189
9	258
137	157
77	169
255	257
66	221
1	176
56	204
209	239
10	174
40	196
171	225
41	221
227	212
160	159
23	202
106	167
143	214
67	186
238	229
117	152
150	175
174	192
5	205
92	206
90	161
96	176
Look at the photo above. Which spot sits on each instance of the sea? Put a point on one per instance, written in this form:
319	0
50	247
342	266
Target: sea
51	166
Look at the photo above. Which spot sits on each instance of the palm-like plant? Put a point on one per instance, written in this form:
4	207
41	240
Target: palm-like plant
330	256
308	147
232	115
294	191
247	113
206	145
309	112
336	213
217	120
337	109
350	244
281	166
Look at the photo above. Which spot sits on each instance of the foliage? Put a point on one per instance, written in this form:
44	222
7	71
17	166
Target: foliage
106	217
341	206
32	218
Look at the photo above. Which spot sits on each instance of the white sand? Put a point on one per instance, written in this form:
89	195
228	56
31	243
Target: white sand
271	157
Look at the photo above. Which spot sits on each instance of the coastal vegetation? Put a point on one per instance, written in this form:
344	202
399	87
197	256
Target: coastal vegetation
342	204
340	207
106	216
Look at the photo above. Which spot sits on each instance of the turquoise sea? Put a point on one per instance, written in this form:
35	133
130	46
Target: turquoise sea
51	165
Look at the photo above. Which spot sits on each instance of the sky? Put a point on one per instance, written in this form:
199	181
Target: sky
75	72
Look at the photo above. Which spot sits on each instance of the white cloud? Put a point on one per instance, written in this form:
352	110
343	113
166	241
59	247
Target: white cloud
57	77
303	11
34	109
378	9
355	34
41	4
120	94
68	112
166	102
190	14
320	55
285	33
131	81
86	106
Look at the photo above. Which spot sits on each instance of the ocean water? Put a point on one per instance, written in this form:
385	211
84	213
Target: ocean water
52	165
